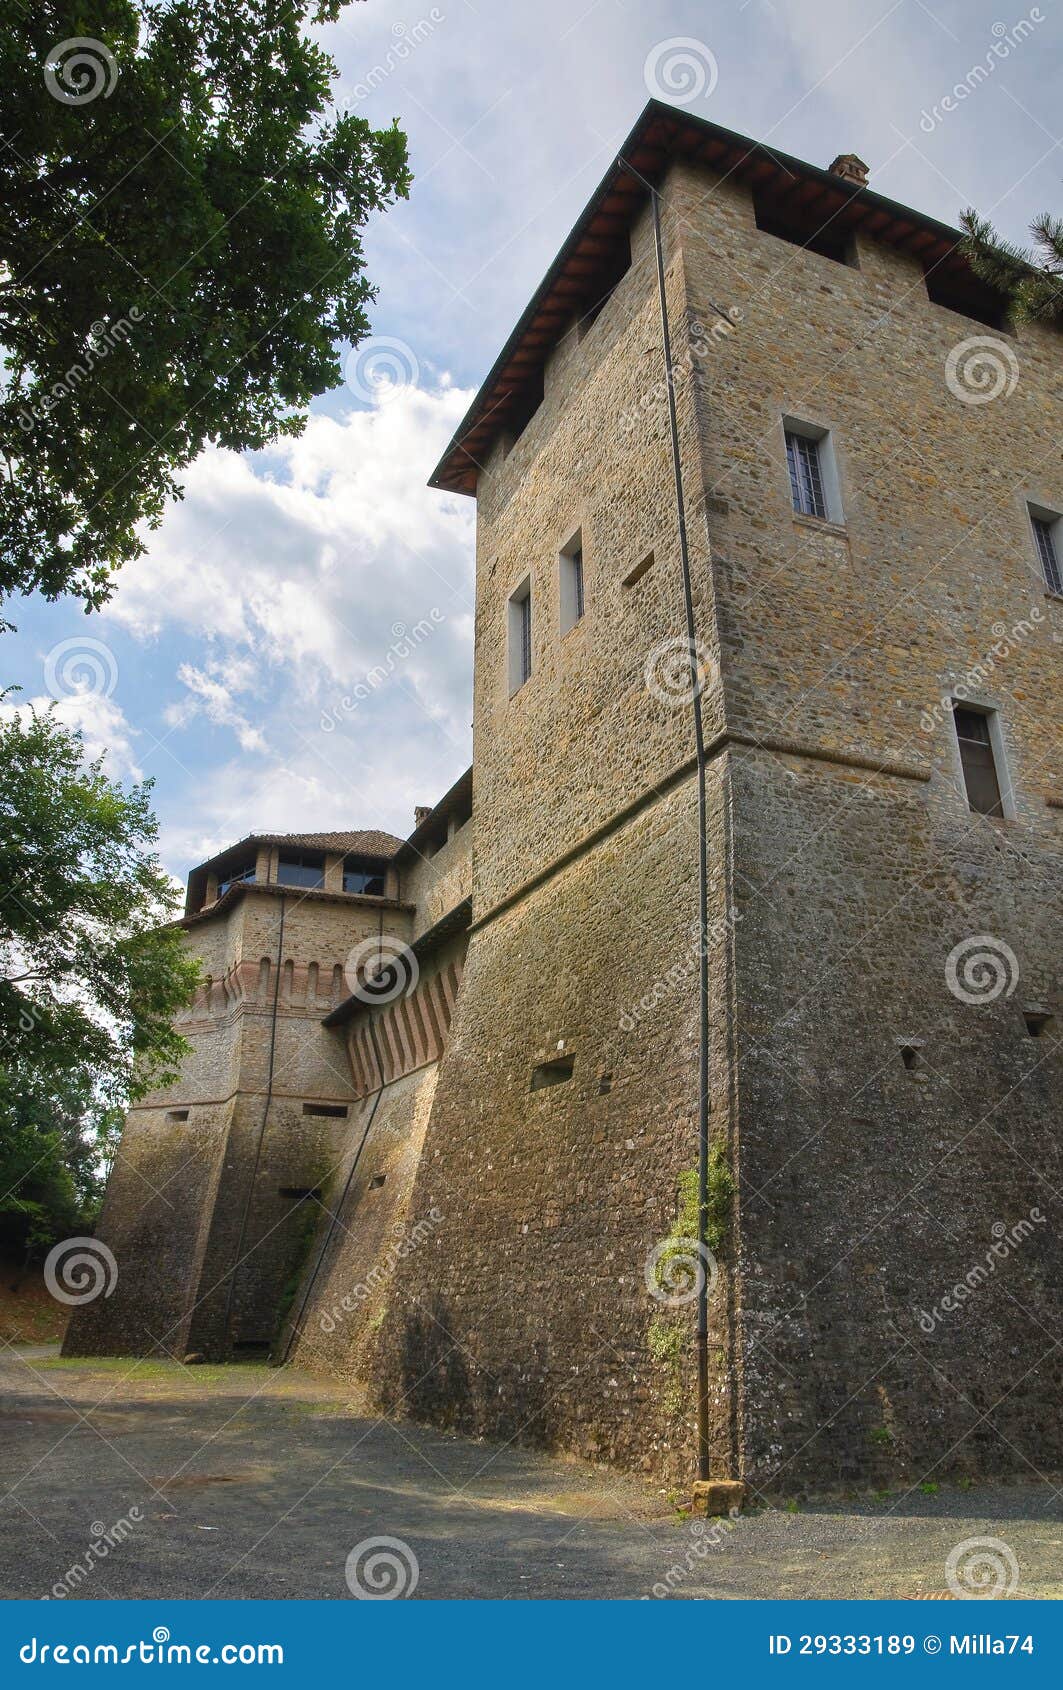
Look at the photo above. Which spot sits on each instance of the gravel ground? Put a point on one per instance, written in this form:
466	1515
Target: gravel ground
249	1482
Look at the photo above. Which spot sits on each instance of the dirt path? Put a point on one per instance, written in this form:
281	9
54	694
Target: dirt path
248	1482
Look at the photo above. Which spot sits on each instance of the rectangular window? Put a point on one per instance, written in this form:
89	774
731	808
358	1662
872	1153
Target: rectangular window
979	762
1046	532
236	876
301	868
520	637
806	479
570	576
368	881
952	283
802	227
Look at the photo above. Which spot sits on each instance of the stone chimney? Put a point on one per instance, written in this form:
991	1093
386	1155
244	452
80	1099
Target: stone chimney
421	812
850	169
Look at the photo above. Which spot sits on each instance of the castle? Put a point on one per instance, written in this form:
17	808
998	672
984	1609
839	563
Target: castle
442	1112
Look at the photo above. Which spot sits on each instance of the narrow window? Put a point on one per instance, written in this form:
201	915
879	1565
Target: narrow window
299	1193
332	1111
1047	532
806	479
979	764
177	1114
520	637
570	575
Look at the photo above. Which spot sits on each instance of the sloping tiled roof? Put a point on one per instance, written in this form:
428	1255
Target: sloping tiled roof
370	841
575	278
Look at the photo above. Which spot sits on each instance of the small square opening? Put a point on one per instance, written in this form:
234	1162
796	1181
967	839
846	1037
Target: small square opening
911	1058
377	1181
298	1192
553	1073
177	1114
1036	1022
635	575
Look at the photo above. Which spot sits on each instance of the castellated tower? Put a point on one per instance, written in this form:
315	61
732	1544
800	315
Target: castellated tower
218	1181
868	456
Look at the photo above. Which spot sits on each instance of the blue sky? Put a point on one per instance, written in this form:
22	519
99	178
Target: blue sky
326	571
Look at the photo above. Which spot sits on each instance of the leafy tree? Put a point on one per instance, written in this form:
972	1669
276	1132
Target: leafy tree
180	252
1032	281
91	973
54	1152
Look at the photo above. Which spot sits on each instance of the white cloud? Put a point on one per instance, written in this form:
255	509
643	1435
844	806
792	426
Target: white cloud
211	693
316	602
305	555
102	723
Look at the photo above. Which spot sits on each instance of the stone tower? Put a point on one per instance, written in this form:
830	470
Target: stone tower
216	1190
874	516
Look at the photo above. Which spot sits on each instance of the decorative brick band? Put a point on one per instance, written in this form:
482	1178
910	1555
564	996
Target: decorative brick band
305	988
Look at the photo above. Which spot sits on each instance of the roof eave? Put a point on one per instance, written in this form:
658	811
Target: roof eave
458	467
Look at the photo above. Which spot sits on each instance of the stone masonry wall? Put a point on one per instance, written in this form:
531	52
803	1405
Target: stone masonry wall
868	1189
209	1170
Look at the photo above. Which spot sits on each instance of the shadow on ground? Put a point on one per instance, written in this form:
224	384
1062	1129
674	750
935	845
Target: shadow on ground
248	1482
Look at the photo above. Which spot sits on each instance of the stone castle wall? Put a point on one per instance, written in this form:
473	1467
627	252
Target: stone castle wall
868	1189
209	1170
480	1259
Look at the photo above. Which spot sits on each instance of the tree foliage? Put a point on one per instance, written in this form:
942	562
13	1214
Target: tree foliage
92	971
180	252
1031	280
